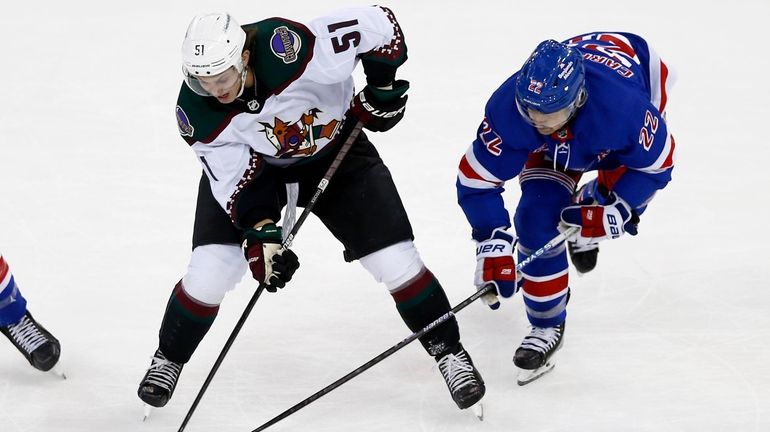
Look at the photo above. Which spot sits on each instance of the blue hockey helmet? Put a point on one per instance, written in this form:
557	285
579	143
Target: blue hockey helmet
552	79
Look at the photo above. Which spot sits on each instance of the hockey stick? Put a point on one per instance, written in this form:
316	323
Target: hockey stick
478	294
286	244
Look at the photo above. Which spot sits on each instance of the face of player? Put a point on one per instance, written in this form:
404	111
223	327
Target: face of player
225	86
547	124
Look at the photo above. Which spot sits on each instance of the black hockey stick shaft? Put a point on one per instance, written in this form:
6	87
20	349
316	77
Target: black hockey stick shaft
324	182
442	319
343	151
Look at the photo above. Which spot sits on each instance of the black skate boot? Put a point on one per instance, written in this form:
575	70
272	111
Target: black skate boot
583	257
534	354
538	347
462	378
159	382
38	346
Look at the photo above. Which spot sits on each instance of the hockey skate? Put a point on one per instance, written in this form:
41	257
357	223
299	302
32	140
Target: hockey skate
535	354
38	346
159	382
463	379
583	257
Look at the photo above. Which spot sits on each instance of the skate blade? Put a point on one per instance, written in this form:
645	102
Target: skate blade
478	410
147	412
58	371
527	376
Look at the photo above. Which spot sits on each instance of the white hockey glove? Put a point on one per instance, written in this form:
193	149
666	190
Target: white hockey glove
495	265
599	222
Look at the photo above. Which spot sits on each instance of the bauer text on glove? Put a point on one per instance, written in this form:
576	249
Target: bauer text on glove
380	108
600	222
495	265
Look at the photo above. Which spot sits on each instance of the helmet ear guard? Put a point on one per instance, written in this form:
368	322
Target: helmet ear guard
552	79
213	44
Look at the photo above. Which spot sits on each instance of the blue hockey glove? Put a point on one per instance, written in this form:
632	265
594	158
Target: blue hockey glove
269	262
379	109
598	222
495	265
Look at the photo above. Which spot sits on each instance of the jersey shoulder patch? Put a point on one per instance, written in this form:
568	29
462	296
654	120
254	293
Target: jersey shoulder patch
280	52
199	118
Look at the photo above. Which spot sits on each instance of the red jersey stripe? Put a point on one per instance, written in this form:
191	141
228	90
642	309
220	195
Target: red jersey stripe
663	81
546	288
468	171
3	268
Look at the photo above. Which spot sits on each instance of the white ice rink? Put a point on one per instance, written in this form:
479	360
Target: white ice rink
97	193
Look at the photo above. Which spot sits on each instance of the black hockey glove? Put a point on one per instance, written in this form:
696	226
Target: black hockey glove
380	109
269	262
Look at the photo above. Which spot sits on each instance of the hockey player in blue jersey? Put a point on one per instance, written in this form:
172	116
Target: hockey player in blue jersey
595	102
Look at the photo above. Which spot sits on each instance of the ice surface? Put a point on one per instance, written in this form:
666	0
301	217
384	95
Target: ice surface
670	333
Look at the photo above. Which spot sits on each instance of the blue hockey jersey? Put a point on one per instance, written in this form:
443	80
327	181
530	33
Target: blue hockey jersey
621	126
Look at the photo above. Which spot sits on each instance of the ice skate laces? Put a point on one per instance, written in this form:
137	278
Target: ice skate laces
162	372
542	339
27	335
457	370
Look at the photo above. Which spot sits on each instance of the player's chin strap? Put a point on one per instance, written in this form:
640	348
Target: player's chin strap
244	75
442	319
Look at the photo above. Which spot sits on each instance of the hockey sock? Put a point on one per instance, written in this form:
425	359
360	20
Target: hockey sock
421	301
184	325
546	302
13	306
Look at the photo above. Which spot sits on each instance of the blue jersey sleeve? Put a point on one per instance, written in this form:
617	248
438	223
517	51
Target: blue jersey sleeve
649	160
495	156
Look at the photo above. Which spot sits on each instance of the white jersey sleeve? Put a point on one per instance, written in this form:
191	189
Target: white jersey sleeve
305	74
344	36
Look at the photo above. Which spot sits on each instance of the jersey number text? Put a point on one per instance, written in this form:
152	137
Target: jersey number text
647	133
342	43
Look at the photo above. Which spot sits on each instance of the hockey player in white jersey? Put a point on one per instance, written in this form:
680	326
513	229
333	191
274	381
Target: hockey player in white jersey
268	104
36	344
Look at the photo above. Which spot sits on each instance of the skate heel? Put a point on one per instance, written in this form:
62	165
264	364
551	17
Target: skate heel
462	378
535	355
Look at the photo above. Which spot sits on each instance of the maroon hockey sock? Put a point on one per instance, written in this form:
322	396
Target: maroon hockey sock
184	325
421	301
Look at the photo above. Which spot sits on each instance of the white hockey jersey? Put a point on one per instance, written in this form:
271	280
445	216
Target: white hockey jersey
303	90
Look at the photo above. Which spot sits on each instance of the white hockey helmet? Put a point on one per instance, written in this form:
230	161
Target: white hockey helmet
212	45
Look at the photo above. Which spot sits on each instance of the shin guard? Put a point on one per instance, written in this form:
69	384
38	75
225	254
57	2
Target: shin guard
184	325
421	301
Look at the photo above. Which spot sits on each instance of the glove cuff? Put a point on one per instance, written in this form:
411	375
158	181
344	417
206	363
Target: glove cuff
500	233
621	205
398	89
499	244
268	233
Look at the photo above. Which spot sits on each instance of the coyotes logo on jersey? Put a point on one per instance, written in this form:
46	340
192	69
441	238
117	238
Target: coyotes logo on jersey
298	139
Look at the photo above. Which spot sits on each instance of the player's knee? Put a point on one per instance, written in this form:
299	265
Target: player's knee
538	213
395	264
213	271
535	227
